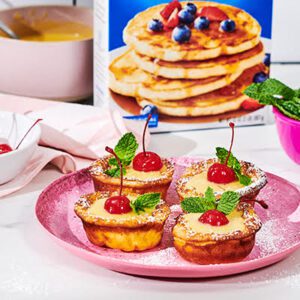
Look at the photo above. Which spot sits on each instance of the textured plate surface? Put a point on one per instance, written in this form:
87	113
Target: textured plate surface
279	236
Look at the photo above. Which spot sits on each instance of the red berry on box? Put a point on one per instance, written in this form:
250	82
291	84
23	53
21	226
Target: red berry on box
213	13
251	104
173	21
169	8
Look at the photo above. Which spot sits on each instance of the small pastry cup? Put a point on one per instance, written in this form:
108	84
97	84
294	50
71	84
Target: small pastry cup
247	194
138	233
206	253
211	248
103	182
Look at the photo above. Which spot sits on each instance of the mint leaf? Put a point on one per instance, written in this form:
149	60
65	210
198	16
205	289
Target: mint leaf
273	92
209	195
198	204
228	202
268	90
144	201
114	172
111	172
290	108
297	93
113	162
192	205
234	164
243	179
126	147
209	200
125	150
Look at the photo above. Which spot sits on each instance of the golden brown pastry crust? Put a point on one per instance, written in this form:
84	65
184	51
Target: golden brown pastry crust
217	248
133	234
248	193
103	182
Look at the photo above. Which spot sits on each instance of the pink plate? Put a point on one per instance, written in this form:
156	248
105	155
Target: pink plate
279	236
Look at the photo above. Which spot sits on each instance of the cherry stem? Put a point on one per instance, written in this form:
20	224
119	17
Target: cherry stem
144	132
23	138
111	151
262	203
231	144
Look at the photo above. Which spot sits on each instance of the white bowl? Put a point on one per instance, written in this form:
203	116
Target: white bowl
12	128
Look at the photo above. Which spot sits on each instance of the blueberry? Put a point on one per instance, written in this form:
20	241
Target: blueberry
191	8
267	59
260	77
149	109
228	25
186	17
181	34
201	23
155	25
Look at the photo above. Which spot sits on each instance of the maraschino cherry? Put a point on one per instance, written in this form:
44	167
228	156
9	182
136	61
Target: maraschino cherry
214	218
5	148
221	173
147	161
117	204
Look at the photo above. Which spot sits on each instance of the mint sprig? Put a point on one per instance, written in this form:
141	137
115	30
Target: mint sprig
125	150
198	204
275	93
234	164
142	202
226	204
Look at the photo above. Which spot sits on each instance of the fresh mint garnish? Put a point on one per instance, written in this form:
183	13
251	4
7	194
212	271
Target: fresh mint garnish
234	164
198	204
226	204
125	150
273	92
144	201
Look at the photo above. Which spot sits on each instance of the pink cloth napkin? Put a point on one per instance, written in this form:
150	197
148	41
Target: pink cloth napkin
40	159
70	130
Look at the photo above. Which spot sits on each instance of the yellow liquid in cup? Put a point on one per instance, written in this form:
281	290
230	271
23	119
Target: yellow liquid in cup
46	30
55	31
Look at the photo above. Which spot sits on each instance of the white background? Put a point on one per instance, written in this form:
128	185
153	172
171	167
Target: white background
286	25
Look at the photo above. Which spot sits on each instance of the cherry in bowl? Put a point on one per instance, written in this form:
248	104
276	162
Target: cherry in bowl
13	128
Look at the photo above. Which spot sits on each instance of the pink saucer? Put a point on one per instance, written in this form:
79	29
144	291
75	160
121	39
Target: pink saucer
279	236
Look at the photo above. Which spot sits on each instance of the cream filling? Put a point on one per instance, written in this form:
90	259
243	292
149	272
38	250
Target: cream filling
133	174
236	223
97	210
199	183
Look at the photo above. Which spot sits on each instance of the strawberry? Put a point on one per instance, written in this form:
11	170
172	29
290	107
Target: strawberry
213	13
251	104
169	8
173	20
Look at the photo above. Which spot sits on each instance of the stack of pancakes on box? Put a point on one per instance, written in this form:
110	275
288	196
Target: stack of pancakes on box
204	76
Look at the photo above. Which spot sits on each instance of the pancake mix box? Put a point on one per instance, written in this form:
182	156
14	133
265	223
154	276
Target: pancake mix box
186	63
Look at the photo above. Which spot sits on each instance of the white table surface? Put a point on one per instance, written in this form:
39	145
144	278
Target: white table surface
32	266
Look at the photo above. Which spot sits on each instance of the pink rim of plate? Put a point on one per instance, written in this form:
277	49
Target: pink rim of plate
187	270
